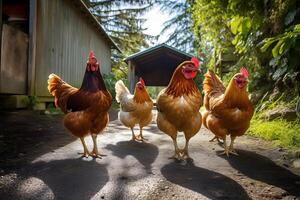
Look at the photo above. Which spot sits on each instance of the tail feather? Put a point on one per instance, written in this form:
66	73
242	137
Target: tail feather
212	83
121	90
60	90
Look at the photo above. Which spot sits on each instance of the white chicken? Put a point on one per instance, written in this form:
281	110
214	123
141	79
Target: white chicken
134	109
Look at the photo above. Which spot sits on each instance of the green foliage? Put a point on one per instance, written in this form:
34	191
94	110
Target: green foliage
283	133
283	42
298	107
123	21
209	25
200	77
120	70
285	49
243	28
180	24
154	91
52	110
110	81
285	100
31	101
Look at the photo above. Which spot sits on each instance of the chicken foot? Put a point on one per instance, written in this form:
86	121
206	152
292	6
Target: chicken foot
140	137
181	154
95	153
184	152
85	149
177	151
228	149
216	137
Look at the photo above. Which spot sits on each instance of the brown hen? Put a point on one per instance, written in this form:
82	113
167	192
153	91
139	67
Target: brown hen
86	108
228	110
178	106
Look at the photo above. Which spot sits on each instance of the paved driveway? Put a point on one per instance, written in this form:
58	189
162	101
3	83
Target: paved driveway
39	160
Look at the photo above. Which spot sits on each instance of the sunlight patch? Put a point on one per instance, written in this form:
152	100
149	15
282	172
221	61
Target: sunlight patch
34	188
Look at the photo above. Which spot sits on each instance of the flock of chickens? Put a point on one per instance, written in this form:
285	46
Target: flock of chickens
228	111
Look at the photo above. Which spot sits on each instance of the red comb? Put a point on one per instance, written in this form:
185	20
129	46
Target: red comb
195	61
91	54
142	81
244	71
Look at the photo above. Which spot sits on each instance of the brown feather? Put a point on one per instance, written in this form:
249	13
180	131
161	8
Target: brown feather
141	95
229	110
178	106
61	91
89	104
179	85
212	83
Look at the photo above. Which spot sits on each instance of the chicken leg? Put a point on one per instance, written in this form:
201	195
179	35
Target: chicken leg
185	150
177	151
134	138
213	139
140	137
85	149
231	150
95	153
226	149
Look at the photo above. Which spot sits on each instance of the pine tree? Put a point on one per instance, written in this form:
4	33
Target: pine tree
180	24
123	21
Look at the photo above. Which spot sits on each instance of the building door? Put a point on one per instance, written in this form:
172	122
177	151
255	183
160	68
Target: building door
14	46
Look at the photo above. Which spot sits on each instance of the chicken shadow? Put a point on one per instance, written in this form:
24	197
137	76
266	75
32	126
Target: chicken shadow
26	135
265	170
68	179
145	153
211	184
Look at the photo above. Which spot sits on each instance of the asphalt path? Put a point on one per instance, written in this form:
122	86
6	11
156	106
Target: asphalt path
39	160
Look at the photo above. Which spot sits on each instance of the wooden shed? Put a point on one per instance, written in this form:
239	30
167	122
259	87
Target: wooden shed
48	36
155	65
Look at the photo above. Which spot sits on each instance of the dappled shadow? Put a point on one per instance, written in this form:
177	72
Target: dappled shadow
65	179
117	126
145	153
208	183
72	178
26	135
261	168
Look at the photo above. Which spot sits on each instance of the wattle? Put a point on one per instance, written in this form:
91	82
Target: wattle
190	75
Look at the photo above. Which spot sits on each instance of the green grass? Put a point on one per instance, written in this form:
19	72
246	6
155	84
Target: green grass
281	132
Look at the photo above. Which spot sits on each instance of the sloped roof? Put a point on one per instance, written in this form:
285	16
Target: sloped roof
154	49
157	64
96	23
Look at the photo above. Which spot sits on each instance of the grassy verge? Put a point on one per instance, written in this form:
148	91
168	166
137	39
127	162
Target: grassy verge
281	132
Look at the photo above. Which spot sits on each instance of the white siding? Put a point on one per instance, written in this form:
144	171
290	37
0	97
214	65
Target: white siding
64	38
